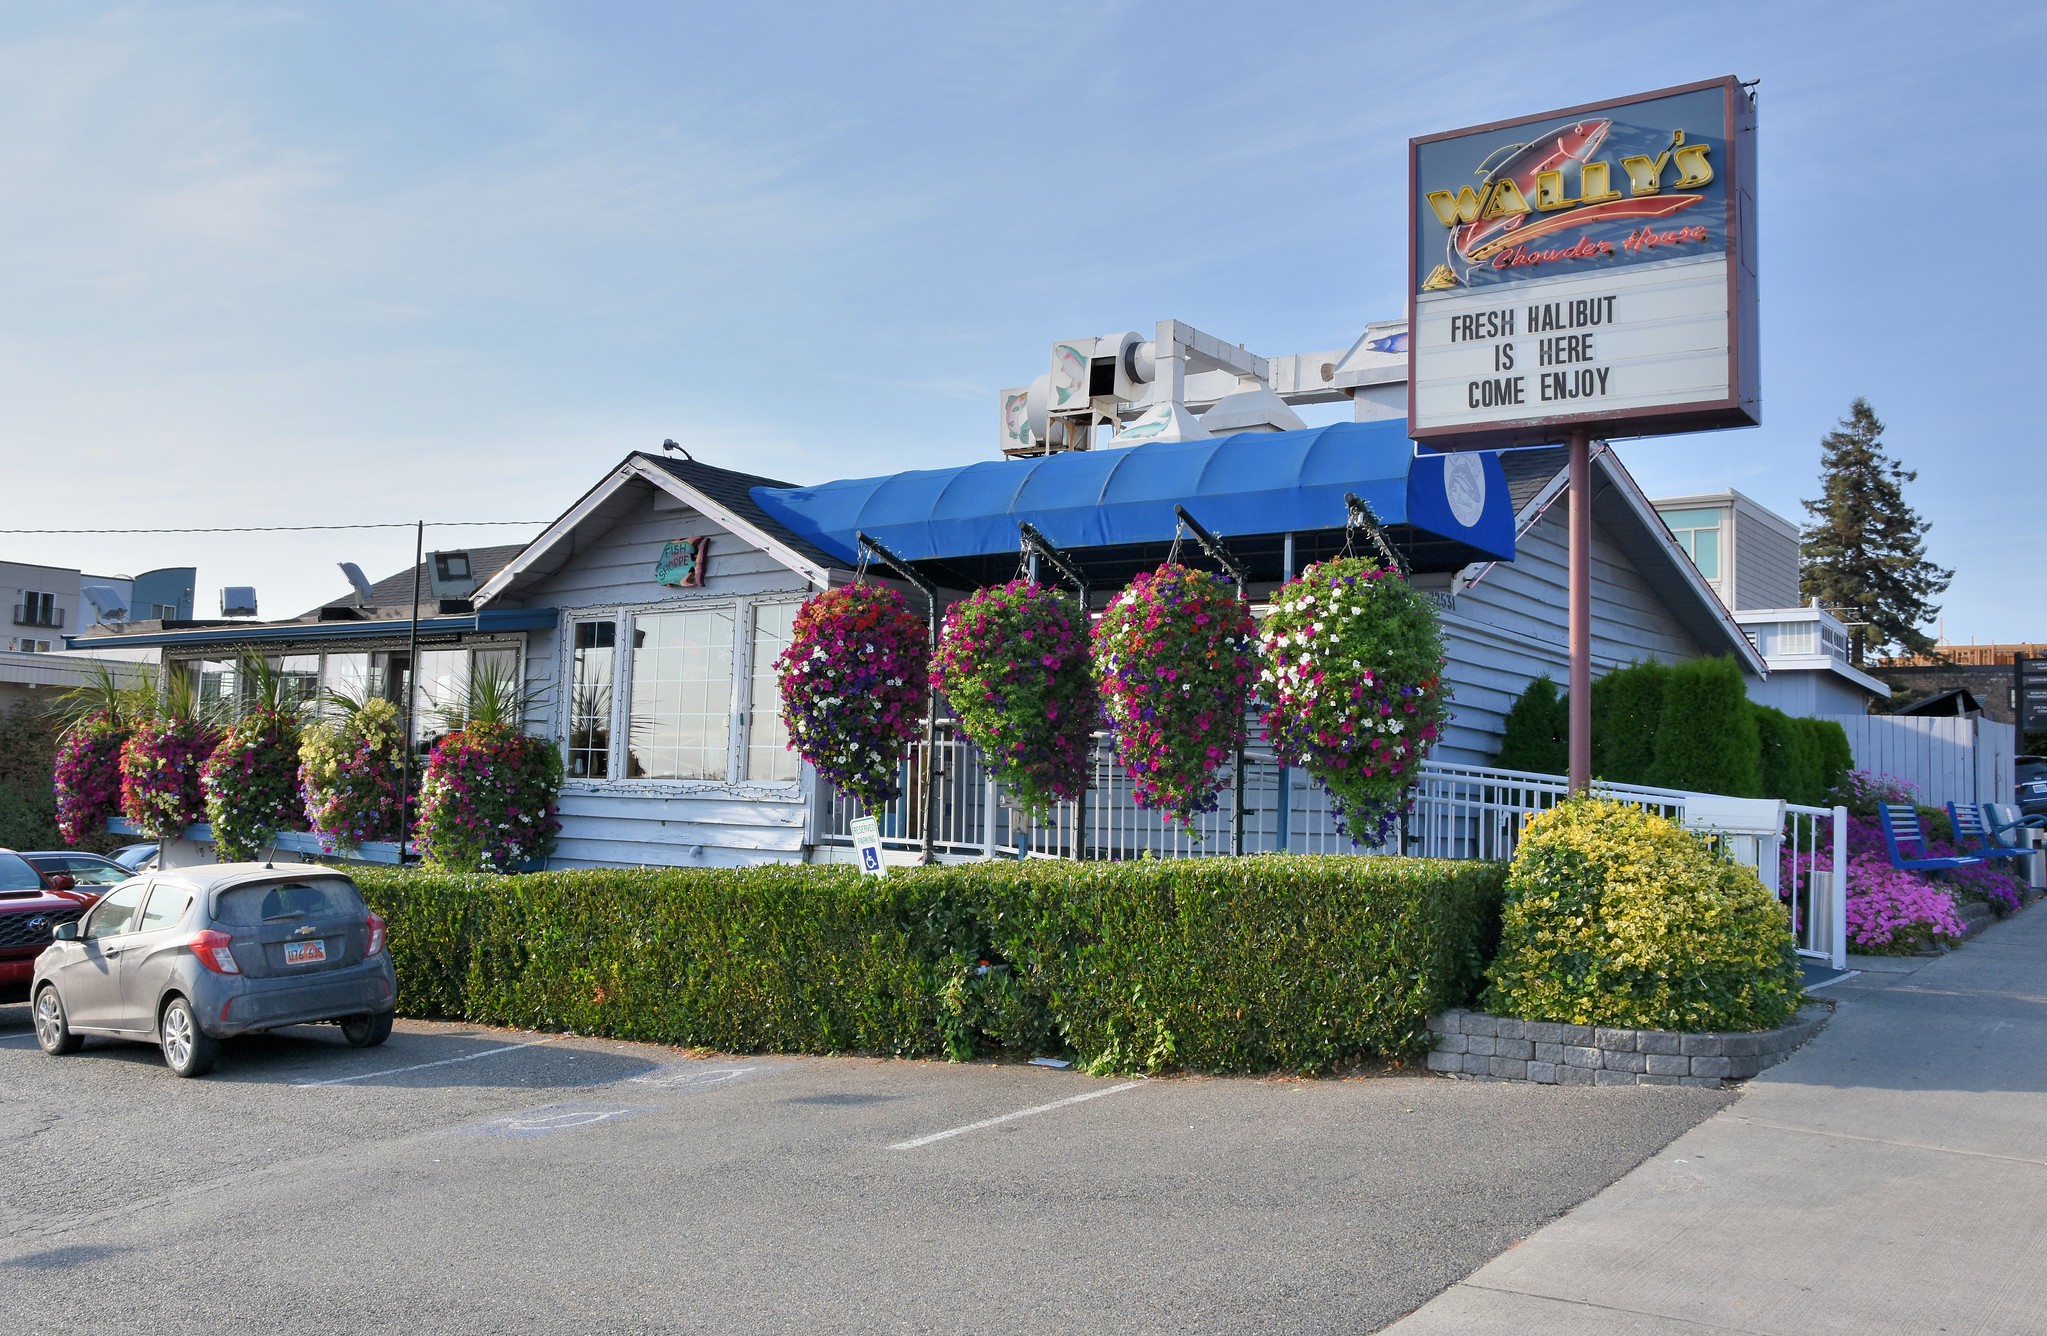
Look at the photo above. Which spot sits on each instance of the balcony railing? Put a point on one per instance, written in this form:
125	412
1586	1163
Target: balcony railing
37	614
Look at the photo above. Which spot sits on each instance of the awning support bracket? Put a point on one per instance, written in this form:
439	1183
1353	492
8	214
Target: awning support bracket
1035	543
1213	546
1363	520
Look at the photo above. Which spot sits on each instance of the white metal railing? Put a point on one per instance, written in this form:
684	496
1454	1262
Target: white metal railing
1459	812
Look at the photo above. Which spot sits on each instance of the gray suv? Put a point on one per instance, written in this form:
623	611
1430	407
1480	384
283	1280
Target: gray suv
187	958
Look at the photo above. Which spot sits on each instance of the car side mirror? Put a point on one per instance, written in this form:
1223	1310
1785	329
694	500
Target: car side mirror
62	881
65	932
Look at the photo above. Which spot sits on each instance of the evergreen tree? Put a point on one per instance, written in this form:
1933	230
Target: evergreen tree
1865	549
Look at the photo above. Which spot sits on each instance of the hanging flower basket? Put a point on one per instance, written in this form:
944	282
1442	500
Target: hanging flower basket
853	681
349	773
251	783
1353	680
87	775
487	802
160	793
1013	661
1175	653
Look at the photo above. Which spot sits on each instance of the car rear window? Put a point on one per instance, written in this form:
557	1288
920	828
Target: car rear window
278	901
17	875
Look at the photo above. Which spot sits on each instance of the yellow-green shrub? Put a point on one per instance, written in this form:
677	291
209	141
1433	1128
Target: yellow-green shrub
1615	916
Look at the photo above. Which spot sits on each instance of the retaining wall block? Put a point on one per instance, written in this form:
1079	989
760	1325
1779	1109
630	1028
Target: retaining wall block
1446	1062
1544	1032
1578	1034
1478	1064
1613	1078
1513	1048
1576	1055
1480	1044
1508	1027
1625	1062
1548	1052
1656	1041
1710	1066
1615	1041
1742	1068
1478	1024
1510	1069
1699	1045
1667	1064
1544	1073
1452	1043
1575	1075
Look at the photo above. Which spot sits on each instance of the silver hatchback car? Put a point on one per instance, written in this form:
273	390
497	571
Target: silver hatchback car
188	958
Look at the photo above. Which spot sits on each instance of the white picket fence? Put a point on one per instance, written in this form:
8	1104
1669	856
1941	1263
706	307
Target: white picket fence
1945	759
1459	812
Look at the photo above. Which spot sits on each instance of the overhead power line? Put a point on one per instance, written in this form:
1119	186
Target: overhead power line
297	528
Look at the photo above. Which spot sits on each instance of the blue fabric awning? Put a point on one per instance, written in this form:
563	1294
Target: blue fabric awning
1254	483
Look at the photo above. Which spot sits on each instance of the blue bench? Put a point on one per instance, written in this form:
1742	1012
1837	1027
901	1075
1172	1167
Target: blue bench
1977	832
1901	827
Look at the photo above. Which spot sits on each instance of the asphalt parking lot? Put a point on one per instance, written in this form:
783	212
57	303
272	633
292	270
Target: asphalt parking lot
462	1179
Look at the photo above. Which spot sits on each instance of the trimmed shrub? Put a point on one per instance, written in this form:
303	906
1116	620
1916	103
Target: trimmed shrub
1790	769
1216	964
1538	730
1627	709
1615	916
1706	741
1832	756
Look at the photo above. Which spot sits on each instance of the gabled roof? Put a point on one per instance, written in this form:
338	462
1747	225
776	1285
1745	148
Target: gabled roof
723	495
1537	479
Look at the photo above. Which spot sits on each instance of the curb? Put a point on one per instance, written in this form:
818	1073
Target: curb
1471	1045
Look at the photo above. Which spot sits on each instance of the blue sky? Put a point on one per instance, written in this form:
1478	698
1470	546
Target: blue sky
312	263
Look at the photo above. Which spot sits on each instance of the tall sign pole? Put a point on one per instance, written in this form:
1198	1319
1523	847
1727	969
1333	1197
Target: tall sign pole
1587	270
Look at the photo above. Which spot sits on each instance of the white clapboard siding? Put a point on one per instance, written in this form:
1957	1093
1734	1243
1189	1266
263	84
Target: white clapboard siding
1944	759
1508	629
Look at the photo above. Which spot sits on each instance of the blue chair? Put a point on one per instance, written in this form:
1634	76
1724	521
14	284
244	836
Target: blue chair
1977	832
1900	825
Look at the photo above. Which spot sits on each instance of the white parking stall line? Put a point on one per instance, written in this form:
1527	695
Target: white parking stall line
1081	1098
421	1066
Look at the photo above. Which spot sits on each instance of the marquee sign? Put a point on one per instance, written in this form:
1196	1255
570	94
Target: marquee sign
1594	265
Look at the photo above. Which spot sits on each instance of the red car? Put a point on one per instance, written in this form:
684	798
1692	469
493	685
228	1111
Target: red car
31	908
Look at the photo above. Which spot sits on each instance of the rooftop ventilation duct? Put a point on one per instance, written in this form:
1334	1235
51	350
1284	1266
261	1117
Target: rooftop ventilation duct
1163	422
1253	408
238	601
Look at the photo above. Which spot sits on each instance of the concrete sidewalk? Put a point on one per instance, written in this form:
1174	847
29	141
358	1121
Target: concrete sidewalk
1891	1176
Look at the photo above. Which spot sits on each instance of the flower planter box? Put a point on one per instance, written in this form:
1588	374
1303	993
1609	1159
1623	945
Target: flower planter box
284	841
1473	1045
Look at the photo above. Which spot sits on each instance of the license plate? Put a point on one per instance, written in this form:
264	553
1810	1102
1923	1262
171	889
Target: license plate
304	953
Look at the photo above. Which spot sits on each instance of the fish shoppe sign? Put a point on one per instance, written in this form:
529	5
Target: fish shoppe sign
1594	265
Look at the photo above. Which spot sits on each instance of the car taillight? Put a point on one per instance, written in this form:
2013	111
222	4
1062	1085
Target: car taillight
376	933
212	949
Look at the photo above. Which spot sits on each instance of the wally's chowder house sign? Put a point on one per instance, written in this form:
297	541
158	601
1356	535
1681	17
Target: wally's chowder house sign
1594	265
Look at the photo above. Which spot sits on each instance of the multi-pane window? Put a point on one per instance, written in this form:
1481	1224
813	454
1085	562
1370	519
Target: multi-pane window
1698	533
589	704
681	716
767	740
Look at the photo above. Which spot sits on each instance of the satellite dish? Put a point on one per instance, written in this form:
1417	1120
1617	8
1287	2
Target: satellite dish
363	598
110	603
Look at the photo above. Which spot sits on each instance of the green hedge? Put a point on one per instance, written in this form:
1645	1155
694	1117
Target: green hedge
1214	964
1537	732
1707	742
1627	709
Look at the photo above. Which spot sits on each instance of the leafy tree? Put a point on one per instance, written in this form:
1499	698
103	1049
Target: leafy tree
1865	548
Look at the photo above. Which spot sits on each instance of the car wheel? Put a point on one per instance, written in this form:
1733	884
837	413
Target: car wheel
366	1031
53	1031
187	1050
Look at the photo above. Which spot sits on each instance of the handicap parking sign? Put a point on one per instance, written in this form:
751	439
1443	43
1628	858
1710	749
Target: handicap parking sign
867	839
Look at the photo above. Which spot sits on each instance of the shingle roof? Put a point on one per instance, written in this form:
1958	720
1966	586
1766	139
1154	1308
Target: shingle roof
394	592
1530	469
734	491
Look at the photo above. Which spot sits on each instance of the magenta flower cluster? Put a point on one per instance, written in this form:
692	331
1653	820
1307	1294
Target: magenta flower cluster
1353	688
487	801
1013	661
1892	910
1175	652
853	688
251	784
87	775
160	793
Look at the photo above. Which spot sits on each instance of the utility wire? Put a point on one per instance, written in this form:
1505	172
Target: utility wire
296	528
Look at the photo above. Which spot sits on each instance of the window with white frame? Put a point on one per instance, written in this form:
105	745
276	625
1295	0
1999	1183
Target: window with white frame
694	695
1698	533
